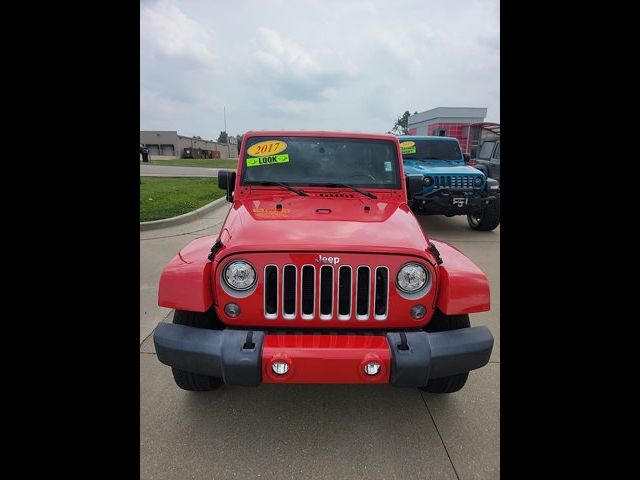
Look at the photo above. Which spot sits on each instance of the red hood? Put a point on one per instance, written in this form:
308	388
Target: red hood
322	224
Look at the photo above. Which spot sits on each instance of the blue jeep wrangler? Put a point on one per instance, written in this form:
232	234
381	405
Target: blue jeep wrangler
451	187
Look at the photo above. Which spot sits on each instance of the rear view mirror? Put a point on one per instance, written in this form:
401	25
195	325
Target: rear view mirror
227	181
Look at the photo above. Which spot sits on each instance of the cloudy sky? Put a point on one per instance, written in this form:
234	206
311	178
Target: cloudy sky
313	64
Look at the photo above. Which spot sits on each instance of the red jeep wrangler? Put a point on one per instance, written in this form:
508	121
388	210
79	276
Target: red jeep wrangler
321	274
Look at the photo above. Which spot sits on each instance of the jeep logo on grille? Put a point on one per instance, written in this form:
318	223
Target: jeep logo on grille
330	260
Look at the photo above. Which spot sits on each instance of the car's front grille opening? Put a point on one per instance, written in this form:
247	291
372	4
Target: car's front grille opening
444	181
344	293
289	292
381	293
362	294
271	291
308	291
326	292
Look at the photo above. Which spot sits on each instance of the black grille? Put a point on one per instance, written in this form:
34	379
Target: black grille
289	289
454	181
344	291
271	290
308	294
362	298
308	289
382	282
326	290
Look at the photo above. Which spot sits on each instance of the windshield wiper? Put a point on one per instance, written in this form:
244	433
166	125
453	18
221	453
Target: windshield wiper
283	185
363	192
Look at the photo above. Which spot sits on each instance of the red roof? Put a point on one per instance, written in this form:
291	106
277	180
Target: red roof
316	133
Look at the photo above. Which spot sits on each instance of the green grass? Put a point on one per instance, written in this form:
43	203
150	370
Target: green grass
166	197
196	162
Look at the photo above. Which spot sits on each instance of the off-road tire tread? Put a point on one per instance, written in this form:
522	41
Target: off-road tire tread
441	323
195	382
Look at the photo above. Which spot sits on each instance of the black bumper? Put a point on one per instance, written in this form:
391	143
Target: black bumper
415	356
452	203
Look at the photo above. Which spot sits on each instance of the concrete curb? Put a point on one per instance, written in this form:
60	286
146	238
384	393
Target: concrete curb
185	218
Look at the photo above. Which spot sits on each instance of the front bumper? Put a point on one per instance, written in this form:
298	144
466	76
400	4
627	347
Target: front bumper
450	202
243	357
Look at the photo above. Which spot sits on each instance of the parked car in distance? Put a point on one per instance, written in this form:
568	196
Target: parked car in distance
451	186
488	160
321	273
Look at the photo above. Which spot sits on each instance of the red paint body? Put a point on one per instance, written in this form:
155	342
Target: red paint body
387	234
325	358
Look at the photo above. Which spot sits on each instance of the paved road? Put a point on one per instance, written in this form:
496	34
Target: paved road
171	171
317	431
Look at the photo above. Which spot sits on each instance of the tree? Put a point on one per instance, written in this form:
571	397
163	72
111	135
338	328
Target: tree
223	137
402	124
239	141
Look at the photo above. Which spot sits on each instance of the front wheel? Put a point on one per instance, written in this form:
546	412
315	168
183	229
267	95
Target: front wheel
441	323
195	382
487	219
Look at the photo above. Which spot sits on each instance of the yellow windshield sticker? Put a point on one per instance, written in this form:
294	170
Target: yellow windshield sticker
270	160
268	147
408	147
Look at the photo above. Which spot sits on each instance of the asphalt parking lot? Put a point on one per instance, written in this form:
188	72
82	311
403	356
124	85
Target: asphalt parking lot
317	431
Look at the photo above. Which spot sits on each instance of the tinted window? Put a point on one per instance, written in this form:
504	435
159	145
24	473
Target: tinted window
497	154
430	150
315	160
485	151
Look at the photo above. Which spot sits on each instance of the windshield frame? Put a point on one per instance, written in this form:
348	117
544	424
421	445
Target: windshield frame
283	137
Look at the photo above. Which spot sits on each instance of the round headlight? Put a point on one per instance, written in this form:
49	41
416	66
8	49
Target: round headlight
477	181
412	277
239	275
427	181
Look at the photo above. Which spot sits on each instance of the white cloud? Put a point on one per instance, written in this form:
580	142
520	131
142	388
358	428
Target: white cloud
324	64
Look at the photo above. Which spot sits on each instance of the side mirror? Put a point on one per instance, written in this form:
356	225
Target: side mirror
466	157
414	184
227	181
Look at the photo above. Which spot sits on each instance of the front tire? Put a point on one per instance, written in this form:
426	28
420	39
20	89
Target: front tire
441	323
195	382
488	219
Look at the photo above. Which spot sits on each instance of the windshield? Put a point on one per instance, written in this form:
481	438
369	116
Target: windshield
430	150
317	161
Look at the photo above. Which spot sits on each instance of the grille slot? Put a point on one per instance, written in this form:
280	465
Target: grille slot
271	291
381	293
362	293
289	292
308	291
326	292
344	293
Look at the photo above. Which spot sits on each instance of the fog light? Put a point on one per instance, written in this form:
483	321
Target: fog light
372	368
418	311
279	368
232	309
